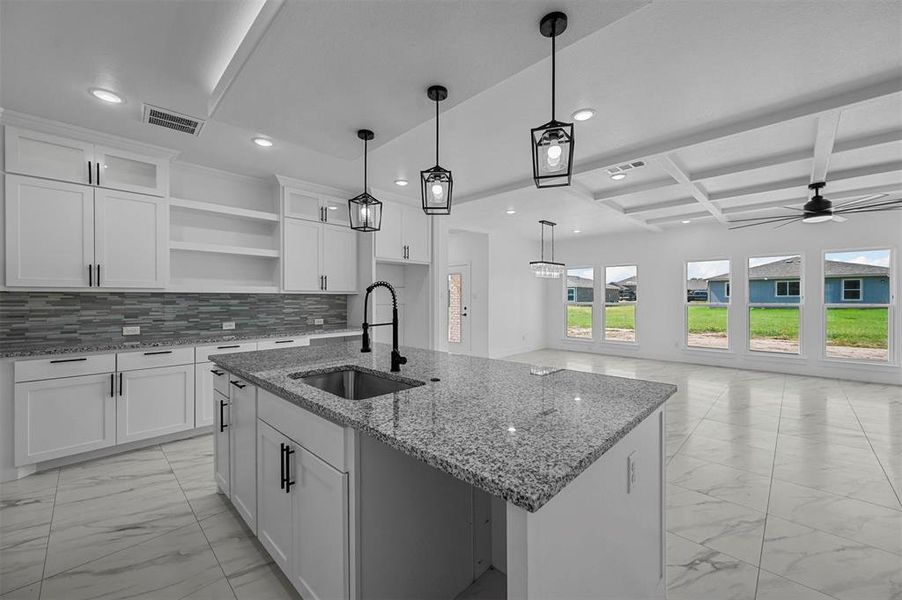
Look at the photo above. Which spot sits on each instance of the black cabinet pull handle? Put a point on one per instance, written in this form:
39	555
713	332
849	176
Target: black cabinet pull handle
288	481
120	383
112	385
66	360
90	276
217	372
222	423
158	352
226	347
282	477
326	282
283	341
90	181
98	275
240	386
98	173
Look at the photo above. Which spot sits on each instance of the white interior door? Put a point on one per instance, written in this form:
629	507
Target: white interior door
131	237
459	309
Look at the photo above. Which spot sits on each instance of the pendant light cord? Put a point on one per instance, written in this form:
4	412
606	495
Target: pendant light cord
553	47
436	133
552	243
543	243
364	165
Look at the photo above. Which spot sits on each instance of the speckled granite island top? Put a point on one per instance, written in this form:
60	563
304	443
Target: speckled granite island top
491	423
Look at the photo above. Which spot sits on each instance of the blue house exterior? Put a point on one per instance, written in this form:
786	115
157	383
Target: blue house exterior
778	283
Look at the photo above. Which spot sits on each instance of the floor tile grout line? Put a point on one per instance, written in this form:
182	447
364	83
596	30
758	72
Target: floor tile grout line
56	490
770	487
686	439
199	526
871	445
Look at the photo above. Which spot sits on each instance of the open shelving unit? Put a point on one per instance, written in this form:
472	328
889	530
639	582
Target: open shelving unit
221	209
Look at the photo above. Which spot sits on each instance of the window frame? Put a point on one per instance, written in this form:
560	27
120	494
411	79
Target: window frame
788	282
800	306
569	290
860	289
567	303
687	303
604	314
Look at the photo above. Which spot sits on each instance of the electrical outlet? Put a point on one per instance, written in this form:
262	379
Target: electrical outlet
317	321
228	325
133	330
631	472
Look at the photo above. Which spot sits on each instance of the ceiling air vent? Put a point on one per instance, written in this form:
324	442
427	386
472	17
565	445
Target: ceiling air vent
626	167
154	115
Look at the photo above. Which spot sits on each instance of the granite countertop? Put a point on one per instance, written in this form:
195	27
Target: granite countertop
494	424
34	349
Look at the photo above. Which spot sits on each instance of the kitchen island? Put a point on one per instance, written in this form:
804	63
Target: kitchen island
554	478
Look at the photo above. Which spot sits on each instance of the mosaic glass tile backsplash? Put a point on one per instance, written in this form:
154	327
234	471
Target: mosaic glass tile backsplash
65	317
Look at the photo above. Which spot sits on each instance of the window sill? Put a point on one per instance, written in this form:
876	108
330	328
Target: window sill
859	363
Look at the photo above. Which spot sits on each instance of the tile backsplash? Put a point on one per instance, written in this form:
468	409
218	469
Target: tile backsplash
43	317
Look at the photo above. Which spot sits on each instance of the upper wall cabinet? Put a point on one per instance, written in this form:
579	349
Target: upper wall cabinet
301	204
404	236
54	157
319	257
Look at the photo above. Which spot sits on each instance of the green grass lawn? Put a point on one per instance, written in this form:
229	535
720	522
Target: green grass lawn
703	319
857	327
774	323
621	316
579	316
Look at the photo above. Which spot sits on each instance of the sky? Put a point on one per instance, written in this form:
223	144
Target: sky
614	274
707	268
757	262
878	258
586	273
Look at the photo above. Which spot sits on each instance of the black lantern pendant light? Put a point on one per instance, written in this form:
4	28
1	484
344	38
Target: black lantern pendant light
552	143
365	211
436	182
547	269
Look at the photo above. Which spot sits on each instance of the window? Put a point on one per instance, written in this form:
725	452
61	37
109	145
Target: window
775	304
621	295
851	290
857	303
787	288
707	304
581	281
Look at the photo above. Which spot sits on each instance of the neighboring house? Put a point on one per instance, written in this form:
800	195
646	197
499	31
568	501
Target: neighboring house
628	288
580	289
697	289
612	293
778	282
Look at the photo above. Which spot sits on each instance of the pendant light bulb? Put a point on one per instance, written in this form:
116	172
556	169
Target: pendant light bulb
437	191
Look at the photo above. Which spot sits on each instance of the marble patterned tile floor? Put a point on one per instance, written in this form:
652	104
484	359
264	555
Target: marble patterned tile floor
779	488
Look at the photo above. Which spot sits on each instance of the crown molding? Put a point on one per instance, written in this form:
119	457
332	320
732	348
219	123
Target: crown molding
316	188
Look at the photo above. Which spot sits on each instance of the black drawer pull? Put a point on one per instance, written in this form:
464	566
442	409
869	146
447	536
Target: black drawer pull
225	347
222	423
288	482
282	465
112	385
240	386
90	181
120	383
90	276
158	352
65	360
283	341
217	372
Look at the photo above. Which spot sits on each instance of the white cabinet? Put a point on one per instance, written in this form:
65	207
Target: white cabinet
336	211
404	236
303	516
310	206
204	402
154	402
243	449
60	417
54	157
131	237
66	235
317	257
221	444
49	233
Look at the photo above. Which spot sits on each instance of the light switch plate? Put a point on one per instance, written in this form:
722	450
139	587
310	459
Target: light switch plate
133	330
317	321
228	325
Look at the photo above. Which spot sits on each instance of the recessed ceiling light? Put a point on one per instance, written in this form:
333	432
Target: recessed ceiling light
262	141
583	114
618	176
401	182
685	221
512	429
577	231
510	211
106	95
332	207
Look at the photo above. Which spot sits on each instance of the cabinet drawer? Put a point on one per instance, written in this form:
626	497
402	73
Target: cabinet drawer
64	366
288	342
202	353
220	380
163	357
320	436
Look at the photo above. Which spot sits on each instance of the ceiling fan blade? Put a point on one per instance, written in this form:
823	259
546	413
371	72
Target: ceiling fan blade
765	218
866	209
788	219
859	200
794	208
877	205
838	219
784	224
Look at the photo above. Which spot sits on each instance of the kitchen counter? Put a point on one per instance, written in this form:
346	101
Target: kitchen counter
30	349
494	424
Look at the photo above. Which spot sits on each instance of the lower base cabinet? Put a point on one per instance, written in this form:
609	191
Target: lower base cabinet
303	515
243	449
154	402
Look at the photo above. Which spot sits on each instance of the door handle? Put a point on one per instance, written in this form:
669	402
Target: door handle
240	386
326	282
222	423
288	481
216	372
90	275
112	385
98	173
158	352
67	360
225	347
120	383
283	341
281	465
90	181
98	275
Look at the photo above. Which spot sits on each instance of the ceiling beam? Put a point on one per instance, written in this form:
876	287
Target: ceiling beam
635	189
641	208
674	218
837	197
827	124
813	108
694	189
581	192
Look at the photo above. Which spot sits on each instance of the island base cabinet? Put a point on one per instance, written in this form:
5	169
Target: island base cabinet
221	454
243	449
303	516
154	402
60	417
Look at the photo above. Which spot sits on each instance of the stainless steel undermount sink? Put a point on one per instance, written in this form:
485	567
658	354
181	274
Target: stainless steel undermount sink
355	384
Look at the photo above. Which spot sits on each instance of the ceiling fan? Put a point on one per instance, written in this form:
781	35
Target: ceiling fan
820	210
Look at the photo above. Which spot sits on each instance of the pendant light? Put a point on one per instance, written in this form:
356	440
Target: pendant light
552	143
436	182
547	269
365	211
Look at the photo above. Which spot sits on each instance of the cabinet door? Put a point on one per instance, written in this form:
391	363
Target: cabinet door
273	503
416	234
123	170
221	454
204	402
49	233
389	244
336	211
153	402
301	255
61	417
340	259
320	528
243	450
50	156
302	205
131	234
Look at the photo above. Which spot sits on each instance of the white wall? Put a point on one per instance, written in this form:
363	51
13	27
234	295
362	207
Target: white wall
660	321
470	248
